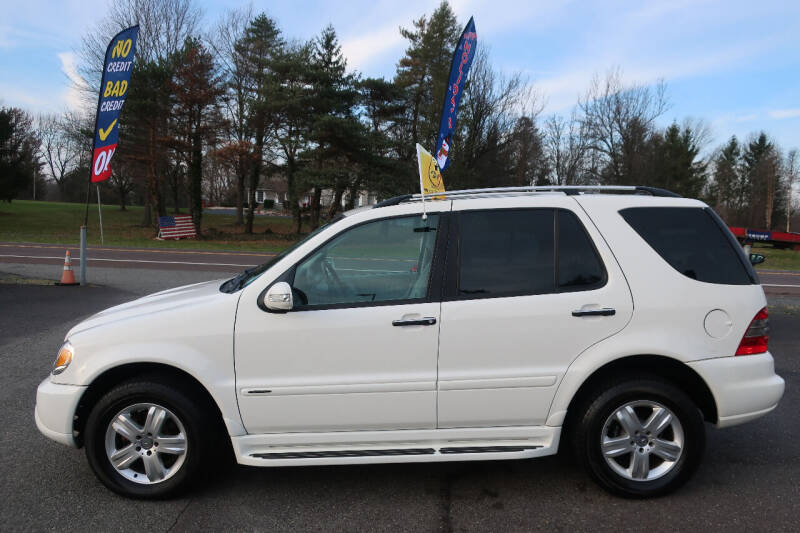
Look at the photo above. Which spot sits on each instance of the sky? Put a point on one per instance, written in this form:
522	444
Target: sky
734	64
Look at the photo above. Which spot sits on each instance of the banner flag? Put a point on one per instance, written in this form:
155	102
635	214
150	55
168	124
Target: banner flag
462	60
430	179
113	91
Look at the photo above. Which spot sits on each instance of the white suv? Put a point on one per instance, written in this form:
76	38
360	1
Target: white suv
499	324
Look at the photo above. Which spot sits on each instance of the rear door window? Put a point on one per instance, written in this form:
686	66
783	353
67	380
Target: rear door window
693	242
515	252
579	267
506	252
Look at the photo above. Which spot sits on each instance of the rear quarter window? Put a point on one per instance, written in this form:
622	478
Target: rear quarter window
693	241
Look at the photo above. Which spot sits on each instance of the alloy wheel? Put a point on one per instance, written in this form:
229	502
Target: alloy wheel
642	440
146	443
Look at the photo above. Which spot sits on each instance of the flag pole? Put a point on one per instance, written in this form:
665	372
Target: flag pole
421	183
100	213
89	184
83	234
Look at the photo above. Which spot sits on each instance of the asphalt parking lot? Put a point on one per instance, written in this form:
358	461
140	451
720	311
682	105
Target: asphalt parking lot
749	480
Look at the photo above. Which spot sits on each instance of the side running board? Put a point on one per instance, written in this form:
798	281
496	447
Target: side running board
487	449
344	453
392	452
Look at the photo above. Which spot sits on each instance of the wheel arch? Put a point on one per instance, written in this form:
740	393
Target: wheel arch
677	372
125	372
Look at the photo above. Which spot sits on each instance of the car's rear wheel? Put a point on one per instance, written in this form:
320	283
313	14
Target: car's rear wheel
145	439
640	437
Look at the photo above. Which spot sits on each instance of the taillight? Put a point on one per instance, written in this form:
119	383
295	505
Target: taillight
757	335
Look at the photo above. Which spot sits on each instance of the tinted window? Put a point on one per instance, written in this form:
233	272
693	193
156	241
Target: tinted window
578	264
379	261
691	241
506	252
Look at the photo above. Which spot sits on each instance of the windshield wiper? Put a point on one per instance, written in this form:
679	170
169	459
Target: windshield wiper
237	282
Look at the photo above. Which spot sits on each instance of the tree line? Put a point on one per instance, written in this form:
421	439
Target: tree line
213	111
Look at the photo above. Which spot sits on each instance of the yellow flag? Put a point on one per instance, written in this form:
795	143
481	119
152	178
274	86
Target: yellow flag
430	178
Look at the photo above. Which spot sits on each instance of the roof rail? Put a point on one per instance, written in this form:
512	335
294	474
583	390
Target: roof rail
394	200
570	190
580	189
655	191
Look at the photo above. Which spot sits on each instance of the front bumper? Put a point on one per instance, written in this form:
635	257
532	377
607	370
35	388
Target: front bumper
55	410
745	387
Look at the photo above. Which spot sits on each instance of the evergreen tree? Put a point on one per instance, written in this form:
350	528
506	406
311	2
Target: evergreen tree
335	134
144	132
259	50
525	153
761	163
423	72
676	166
196	89
289	104
382	105
18	144
727	179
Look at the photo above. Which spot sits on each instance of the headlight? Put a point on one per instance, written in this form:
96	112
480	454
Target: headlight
64	358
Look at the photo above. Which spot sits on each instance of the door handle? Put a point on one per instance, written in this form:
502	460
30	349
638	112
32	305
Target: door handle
427	321
606	311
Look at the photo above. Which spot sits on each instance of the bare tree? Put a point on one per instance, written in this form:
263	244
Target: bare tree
163	27
236	149
770	170
489	114
791	170
122	180
59	152
566	147
619	119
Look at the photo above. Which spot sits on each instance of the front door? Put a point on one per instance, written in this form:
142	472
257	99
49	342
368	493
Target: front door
527	290
358	351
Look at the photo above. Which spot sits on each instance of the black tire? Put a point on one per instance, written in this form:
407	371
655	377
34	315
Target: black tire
150	389
610	396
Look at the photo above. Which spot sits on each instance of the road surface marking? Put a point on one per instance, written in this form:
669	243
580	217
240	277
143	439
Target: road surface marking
78	260
124	250
777	285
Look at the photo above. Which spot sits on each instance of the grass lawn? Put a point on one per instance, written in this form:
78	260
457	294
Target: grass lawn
57	222
777	259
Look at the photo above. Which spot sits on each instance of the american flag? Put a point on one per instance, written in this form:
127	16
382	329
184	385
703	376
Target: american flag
176	226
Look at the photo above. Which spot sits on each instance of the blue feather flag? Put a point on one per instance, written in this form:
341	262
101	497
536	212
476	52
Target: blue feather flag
462	60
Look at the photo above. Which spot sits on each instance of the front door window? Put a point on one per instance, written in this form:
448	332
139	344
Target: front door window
381	261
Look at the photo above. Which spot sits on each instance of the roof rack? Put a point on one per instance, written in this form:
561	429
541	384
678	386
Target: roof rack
570	190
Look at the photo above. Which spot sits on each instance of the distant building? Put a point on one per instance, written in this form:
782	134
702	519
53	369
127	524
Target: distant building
276	189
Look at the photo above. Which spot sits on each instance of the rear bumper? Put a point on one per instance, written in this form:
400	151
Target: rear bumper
55	410
744	387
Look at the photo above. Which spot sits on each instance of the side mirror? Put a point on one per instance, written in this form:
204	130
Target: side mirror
756	259
279	297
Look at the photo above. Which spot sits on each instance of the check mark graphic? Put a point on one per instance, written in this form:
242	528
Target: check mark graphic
104	134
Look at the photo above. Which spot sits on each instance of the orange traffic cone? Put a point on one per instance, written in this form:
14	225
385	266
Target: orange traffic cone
68	276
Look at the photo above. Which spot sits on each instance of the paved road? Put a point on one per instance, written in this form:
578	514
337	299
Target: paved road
119	257
748	480
780	282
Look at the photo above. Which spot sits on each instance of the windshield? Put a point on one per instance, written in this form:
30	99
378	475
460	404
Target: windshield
244	279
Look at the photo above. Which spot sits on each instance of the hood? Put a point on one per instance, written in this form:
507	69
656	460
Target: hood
187	296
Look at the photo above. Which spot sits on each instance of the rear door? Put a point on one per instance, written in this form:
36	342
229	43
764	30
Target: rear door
530	284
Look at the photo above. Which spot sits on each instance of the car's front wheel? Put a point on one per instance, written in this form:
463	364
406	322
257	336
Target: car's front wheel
640	437
145	439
